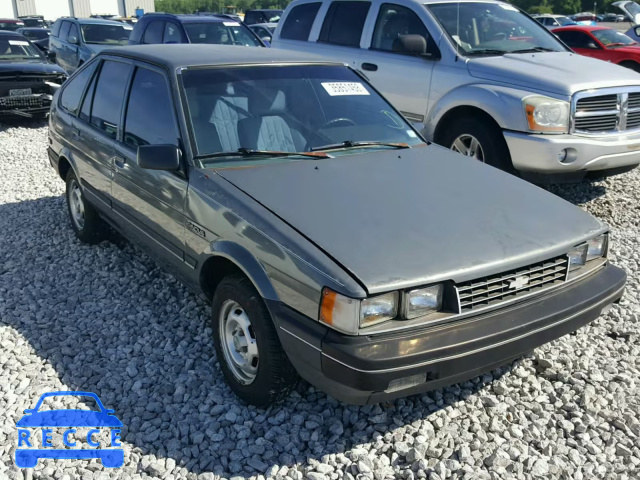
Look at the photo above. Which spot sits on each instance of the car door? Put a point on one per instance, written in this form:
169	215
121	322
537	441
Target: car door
402	79
72	49
97	127
62	53
150	203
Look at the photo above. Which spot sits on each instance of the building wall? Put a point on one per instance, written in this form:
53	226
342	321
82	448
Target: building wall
6	9
52	9
26	7
81	8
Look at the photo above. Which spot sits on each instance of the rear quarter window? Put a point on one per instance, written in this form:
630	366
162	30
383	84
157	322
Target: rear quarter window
298	23
74	88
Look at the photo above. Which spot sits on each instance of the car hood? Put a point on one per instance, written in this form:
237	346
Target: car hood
634	50
29	67
395	219
560	73
69	418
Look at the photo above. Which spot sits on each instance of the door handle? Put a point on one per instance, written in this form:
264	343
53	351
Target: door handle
370	67
75	133
119	161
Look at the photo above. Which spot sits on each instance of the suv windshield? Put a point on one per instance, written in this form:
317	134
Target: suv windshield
298	108
612	38
106	34
492	29
220	33
16	48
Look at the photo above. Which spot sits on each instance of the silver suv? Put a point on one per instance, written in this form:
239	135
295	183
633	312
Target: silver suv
482	78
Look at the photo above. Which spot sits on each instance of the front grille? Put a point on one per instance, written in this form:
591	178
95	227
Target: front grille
35	101
609	113
507	286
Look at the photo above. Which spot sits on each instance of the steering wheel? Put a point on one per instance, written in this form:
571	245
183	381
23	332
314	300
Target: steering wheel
334	121
500	36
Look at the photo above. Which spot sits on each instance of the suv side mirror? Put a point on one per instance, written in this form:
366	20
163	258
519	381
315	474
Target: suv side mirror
413	45
592	46
266	41
637	31
72	39
159	157
51	56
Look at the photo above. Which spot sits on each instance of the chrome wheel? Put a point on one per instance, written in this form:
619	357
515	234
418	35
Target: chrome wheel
469	146
238	341
76	204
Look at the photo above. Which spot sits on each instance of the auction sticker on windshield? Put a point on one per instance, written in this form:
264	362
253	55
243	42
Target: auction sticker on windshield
344	88
22	43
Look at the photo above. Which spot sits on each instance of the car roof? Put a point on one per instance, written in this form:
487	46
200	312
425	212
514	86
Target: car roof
35	29
92	21
583	28
264	10
173	56
191	18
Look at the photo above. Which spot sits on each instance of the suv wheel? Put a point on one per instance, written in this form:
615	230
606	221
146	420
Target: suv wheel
85	221
482	141
247	345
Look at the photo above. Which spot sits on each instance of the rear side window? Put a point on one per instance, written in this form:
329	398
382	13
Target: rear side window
344	23
55	30
153	33
150	115
109	96
85	109
298	24
72	93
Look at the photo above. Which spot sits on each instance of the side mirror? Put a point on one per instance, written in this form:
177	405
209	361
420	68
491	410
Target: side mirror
637	31
72	39
51	56
266	41
592	46
159	157
410	44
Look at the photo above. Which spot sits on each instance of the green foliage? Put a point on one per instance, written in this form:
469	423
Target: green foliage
190	6
565	7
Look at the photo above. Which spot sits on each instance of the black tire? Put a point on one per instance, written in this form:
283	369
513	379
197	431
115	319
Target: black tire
93	229
632	65
492	142
275	375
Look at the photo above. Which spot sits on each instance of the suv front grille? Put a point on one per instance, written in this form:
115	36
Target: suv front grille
608	113
508	286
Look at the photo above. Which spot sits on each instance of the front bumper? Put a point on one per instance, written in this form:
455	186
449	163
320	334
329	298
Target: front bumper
540	153
358	369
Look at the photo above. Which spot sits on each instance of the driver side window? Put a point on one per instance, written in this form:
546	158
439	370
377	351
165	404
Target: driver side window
577	40
393	22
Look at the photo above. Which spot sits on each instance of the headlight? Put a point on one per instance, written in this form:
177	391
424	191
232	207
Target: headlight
422	301
546	114
577	257
349	314
597	247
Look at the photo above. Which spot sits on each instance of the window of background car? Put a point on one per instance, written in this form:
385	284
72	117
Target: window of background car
577	39
171	33
311	106
55	29
394	21
220	33
344	22
74	88
299	22
64	30
252	17
109	96
612	37
150	117
153	33
492	29
106	34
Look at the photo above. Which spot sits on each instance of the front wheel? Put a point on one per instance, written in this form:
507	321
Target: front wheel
479	140
247	346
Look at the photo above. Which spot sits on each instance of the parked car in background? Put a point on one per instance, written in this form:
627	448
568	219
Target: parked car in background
264	30
37	35
27	79
584	18
73	41
252	17
155	28
34	21
180	156
552	21
10	24
481	78
602	43
634	33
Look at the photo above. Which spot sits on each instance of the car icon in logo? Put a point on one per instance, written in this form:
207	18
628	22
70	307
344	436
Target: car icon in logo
70	418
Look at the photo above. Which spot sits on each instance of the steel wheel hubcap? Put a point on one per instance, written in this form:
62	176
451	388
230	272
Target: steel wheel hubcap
76	205
469	146
238	342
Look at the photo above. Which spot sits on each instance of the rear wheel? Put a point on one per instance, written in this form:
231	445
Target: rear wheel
632	65
85	221
247	346
479	140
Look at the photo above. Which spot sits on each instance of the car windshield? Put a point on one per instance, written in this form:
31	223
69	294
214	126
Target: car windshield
106	34
17	48
492	29
220	33
613	38
565	21
313	108
11	26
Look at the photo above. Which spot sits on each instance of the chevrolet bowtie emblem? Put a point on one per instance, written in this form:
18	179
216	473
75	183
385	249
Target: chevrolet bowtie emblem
518	282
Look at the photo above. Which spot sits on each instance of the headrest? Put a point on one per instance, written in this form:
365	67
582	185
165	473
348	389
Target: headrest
264	102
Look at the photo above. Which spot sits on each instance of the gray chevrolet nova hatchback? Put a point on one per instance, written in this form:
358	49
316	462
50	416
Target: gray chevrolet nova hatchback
331	240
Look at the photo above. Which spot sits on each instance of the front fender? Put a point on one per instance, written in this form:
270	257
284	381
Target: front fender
250	266
503	104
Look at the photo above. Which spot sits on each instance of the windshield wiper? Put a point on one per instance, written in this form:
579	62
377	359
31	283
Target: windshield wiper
352	144
486	51
248	152
533	50
618	44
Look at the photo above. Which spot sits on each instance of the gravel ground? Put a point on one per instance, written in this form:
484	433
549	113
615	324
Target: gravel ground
106	319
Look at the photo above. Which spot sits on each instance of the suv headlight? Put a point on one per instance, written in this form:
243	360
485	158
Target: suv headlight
349	314
592	249
546	114
422	301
